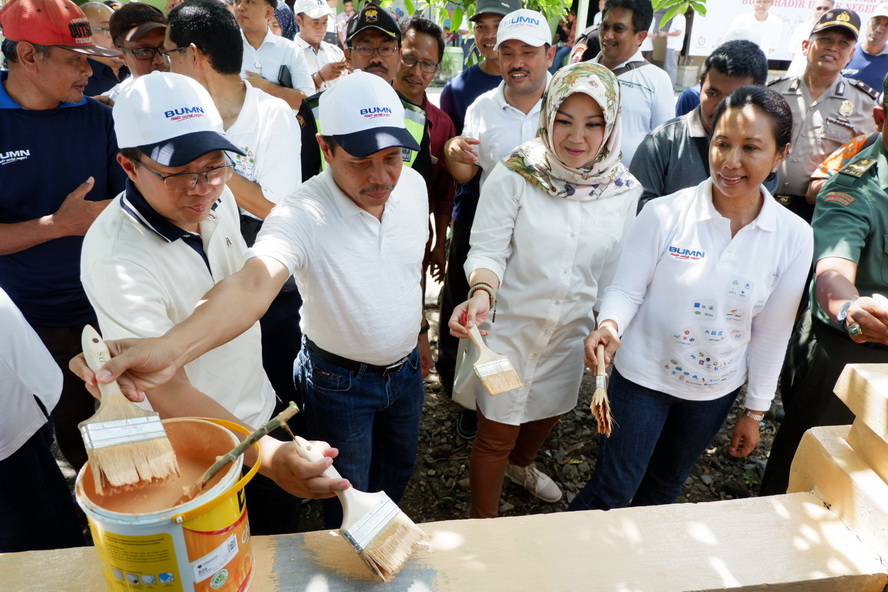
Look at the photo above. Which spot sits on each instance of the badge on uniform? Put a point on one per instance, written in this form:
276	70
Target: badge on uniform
840	198
857	169
846	109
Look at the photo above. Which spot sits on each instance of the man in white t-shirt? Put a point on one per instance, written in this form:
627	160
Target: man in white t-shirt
271	63
362	219
674	41
325	61
759	26
170	237
647	96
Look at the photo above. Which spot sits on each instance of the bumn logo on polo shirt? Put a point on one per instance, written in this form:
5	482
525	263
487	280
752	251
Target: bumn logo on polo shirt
13	156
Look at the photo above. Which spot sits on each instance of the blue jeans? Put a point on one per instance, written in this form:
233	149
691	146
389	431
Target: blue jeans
656	441
372	419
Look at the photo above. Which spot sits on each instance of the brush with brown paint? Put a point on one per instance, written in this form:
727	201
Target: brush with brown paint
127	446
600	406
372	523
495	371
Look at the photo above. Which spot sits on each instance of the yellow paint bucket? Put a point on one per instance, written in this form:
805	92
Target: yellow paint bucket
145	544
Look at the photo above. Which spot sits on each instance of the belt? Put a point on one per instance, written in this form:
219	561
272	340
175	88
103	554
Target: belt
352	364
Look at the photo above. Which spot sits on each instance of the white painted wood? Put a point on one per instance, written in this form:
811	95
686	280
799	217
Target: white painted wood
870	447
864	389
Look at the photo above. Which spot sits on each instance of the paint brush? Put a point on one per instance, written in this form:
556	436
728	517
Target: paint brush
600	406
126	444
372	523
494	370
272	424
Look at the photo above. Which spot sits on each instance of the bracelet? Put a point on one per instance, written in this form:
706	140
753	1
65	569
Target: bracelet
321	76
423	329
757	417
491	293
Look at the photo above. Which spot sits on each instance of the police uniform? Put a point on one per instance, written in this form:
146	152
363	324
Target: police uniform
820	127
850	222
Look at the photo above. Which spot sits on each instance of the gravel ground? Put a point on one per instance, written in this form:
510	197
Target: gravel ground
439	489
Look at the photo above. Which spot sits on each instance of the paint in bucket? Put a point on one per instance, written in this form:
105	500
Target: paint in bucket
145	544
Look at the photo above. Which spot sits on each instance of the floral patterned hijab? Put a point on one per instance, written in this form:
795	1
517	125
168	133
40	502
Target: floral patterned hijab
536	160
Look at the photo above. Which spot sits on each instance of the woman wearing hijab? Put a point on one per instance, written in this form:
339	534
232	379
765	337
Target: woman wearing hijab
545	241
286	20
704	302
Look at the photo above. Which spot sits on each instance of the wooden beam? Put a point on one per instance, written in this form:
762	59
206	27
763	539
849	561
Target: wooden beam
826	464
789	543
870	447
864	389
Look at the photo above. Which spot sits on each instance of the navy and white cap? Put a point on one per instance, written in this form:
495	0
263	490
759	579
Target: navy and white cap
364	114
169	117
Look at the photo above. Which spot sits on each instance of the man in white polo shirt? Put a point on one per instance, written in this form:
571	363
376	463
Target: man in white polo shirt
271	63
148	260
354	237
325	61
499	121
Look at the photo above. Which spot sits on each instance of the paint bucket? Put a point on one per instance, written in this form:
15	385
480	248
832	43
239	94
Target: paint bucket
198	546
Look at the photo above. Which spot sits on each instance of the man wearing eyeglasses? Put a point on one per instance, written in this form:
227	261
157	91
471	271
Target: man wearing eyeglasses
167	240
374	43
422	48
57	173
325	60
138	31
107	72
647	96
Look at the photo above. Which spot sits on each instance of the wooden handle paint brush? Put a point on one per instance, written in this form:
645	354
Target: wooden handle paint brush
372	523
126	445
495	371
273	424
600	406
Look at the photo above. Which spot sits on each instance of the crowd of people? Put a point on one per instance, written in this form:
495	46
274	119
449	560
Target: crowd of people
260	189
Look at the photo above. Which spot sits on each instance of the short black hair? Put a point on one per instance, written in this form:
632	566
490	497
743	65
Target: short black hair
10	51
738	59
133	154
769	102
424	25
642	12
213	29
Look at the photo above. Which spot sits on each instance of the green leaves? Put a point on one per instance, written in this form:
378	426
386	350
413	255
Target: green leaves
674	7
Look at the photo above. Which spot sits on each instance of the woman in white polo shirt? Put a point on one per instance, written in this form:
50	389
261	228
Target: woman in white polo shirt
704	301
546	238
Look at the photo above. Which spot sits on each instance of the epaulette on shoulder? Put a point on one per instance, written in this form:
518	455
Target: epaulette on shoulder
776	80
873	93
855	170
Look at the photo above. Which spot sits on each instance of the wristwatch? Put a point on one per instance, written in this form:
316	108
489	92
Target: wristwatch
758	417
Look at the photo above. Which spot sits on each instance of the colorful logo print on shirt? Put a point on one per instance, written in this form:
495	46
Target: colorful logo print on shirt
685	254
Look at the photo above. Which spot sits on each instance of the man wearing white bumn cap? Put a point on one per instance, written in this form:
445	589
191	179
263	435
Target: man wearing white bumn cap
354	237
172	235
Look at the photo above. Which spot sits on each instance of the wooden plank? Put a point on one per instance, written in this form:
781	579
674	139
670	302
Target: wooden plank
826	464
864	389
870	447
790	543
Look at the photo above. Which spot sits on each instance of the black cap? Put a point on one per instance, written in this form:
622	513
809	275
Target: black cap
839	17
502	7
373	16
134	20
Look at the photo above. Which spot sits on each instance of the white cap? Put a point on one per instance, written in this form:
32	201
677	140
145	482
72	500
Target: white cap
363	112
881	10
169	117
524	25
313	8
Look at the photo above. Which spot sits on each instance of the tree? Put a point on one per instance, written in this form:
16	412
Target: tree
674	7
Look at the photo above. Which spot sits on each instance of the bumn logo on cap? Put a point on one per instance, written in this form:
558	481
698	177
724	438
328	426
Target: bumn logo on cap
373	112
183	113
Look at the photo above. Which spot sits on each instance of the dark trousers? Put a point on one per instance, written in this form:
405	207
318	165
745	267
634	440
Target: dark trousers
36	508
817	355
455	291
76	403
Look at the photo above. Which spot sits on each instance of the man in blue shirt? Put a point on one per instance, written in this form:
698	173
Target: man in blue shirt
58	157
869	64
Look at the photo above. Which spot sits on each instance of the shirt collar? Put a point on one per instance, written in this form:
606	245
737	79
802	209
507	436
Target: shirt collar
704	209
269	38
6	102
501	95
695	123
638	57
134	203
345	205
882	164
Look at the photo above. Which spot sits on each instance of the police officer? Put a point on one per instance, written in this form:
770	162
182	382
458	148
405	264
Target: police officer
827	108
846	321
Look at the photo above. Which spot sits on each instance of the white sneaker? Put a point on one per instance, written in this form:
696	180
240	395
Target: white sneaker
537	483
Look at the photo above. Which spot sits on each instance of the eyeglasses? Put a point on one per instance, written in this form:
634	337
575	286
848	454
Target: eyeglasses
182	182
386	51
144	53
99	29
618	29
427	67
166	56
